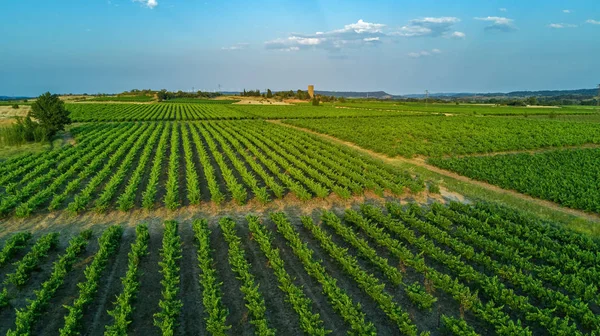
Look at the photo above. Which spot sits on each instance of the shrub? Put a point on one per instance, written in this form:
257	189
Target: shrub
24	130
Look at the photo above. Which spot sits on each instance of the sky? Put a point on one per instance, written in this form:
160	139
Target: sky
401	47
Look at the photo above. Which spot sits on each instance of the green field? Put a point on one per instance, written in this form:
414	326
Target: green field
82	112
215	109
568	177
302	111
207	219
128	165
438	135
471	109
200	101
478	269
131	99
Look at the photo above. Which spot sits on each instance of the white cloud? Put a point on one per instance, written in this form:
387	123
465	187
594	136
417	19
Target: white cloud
238	46
354	35
306	40
429	26
498	23
457	35
424	53
502	9
594	22
148	3
561	25
362	27
363	34
567	11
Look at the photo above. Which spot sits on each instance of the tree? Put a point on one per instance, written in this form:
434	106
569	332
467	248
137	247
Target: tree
315	101
51	114
532	101
269	93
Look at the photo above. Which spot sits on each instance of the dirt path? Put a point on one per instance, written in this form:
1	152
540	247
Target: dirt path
69	224
421	163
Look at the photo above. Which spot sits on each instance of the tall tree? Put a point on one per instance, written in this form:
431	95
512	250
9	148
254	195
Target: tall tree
51	114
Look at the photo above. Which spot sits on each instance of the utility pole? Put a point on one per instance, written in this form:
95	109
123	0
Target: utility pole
426	98
219	88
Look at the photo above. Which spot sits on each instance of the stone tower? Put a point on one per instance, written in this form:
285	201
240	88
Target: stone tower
311	91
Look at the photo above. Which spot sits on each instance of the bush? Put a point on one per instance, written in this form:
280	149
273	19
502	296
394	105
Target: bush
15	106
23	131
315	101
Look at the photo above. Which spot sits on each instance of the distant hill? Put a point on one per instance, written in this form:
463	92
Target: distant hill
5	98
573	94
353	94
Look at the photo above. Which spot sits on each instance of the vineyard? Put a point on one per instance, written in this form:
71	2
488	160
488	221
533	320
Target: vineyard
200	101
172	164
303	111
81	112
567	177
472	109
438	135
127	99
247	226
203	109
371	269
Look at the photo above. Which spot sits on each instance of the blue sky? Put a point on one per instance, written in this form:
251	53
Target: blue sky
398	46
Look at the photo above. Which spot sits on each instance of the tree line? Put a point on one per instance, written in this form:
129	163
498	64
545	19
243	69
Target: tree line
291	94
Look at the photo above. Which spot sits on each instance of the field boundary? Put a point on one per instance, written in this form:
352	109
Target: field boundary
489	187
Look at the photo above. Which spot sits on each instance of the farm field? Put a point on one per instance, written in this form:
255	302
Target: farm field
200	101
81	112
580	118
459	269
214	110
172	164
473	109
439	135
569	177
302	111
134	99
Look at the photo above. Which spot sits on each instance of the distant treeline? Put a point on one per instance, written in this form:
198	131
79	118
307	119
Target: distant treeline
291	94
167	95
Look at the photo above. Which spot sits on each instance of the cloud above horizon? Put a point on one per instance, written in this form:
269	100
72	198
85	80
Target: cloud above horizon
562	25
429	26
355	35
498	23
148	3
362	34
424	53
594	22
